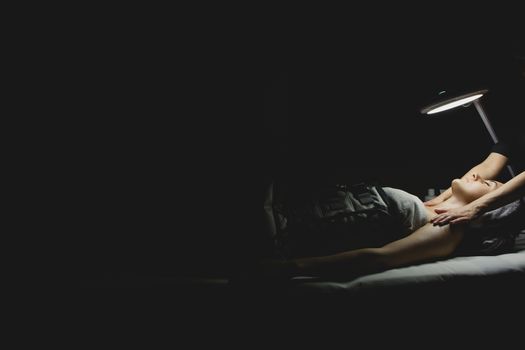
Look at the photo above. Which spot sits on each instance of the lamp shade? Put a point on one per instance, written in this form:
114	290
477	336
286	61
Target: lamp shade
446	102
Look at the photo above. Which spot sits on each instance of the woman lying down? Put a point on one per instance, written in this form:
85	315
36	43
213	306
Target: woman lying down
420	242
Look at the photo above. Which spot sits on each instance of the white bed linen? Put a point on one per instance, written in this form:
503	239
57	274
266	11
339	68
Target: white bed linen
434	272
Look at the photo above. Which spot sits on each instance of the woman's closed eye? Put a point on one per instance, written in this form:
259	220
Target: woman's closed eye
493	184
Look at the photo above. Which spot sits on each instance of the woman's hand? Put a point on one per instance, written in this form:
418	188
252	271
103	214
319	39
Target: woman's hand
455	216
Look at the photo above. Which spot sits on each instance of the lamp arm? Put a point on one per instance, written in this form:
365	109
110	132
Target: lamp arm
492	133
486	121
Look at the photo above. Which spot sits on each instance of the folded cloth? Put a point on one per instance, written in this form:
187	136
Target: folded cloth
410	207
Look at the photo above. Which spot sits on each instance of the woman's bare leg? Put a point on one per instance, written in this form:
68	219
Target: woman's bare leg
425	244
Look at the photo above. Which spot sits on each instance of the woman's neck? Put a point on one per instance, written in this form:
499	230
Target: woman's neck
451	203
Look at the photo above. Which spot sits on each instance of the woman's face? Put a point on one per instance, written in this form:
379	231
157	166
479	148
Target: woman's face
472	188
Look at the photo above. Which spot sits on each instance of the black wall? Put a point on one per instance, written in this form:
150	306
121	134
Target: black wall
354	101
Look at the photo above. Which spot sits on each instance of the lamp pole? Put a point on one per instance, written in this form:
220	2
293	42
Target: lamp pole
491	131
486	121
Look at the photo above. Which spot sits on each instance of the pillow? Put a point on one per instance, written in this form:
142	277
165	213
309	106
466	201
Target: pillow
494	232
508	216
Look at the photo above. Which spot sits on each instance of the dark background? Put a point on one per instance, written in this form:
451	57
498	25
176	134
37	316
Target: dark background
177	129
353	102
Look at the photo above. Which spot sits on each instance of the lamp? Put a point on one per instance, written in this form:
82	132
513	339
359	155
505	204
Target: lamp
464	100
